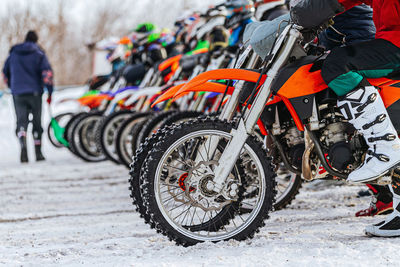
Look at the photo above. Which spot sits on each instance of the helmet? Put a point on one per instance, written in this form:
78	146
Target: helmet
239	4
145	28
219	11
117	54
186	14
125	41
165	37
153	37
260	2
270	9
155	52
238	11
293	3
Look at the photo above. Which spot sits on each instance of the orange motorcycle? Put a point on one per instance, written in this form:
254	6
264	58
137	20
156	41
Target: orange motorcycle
195	183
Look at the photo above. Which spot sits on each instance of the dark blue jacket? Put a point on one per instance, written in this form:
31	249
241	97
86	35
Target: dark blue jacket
27	70
355	25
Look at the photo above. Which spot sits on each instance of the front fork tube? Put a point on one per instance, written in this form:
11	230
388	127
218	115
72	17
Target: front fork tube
227	113
245	127
139	104
229	109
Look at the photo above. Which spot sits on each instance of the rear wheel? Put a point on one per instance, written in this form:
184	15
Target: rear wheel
107	133
124	146
136	172
152	125
175	192
70	127
83	138
141	154
180	116
288	185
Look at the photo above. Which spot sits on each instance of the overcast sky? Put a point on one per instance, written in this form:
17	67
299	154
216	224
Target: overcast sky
163	11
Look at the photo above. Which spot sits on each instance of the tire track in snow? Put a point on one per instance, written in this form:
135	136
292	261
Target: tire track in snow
64	215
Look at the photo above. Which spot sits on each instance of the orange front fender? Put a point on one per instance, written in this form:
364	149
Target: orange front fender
167	94
169	62
205	87
93	100
221	74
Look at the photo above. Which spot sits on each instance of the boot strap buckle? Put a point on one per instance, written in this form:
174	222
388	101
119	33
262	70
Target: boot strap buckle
386	137
380	157
371	99
379	119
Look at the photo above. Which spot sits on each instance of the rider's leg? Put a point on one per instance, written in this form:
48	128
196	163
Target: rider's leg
344	71
391	226
381	202
37	130
22	114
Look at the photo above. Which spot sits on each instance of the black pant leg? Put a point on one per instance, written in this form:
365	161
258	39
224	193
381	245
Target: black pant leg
36	109
382	193
345	67
22	113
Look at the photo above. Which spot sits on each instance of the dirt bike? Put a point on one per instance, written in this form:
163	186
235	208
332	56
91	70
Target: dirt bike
92	132
288	183
194	175
129	135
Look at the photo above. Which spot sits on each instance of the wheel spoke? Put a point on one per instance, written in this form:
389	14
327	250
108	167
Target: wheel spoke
194	210
183	212
174	196
178	169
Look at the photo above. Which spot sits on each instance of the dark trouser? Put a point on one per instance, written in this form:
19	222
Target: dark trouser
345	67
29	104
381	192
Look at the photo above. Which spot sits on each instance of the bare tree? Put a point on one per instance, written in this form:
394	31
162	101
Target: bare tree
64	36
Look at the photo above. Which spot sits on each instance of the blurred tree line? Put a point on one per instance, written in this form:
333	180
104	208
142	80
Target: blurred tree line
66	27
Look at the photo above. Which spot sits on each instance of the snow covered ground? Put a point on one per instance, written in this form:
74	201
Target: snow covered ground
68	212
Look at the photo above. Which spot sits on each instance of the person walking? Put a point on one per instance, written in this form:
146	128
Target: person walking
27	72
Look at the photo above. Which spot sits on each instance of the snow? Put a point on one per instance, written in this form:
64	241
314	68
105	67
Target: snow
68	212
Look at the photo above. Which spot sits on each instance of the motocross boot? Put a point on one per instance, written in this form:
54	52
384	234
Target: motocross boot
390	227
381	202
38	150
37	137
376	207
365	109
24	150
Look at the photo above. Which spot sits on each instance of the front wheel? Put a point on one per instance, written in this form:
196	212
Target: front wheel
175	185
107	132
83	140
62	120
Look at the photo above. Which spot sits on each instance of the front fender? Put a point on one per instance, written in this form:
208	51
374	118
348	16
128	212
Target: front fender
168	94
222	74
205	87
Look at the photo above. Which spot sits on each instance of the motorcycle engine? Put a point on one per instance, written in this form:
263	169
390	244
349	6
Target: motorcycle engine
340	146
295	142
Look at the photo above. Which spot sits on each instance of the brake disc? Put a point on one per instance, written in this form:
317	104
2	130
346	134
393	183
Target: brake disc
195	185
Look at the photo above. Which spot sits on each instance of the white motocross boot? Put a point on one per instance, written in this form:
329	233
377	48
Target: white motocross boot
390	227
365	109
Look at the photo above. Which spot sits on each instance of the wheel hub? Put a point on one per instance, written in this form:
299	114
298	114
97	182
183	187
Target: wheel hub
200	179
